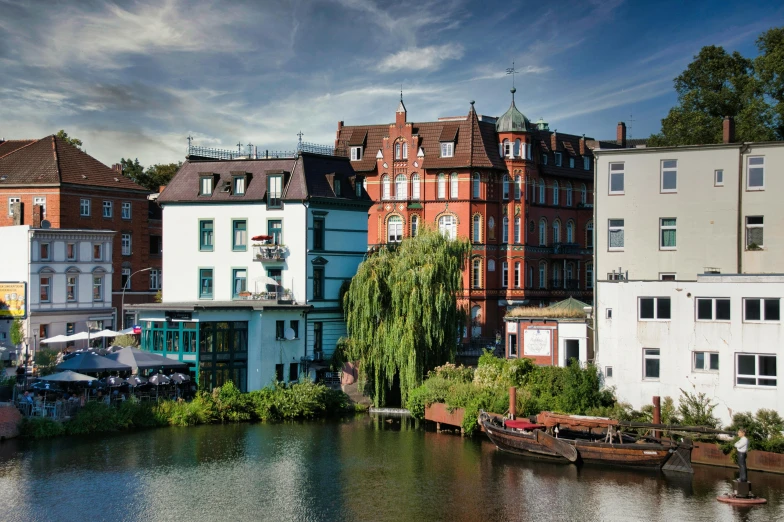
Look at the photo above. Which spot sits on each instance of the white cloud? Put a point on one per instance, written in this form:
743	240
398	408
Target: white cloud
417	59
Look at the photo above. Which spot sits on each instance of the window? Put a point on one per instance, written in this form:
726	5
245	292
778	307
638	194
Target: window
275	229
441	186
156	245
706	361
447	225
589	235
97	288
45	251
239	185
608	373
126	210
556	232
615	234
756	176
276	275
274	191
761	309
542	275
651	363
41	202
755	370
586	163
608	313
517	275
293	372
415	186
754	232
569	232
294	325
239	278
239	239
453	185
542	232
718	178
318	233
491	227
395	229
583	195
571	163
155	279
476	273
541	191
71	281
447	149
530	282
11	202
318	283
405	150
517	231
477	228
556	193
516	149
506	149
45	283
398	152
669	175
414	225
652	308
504	274
513	345
476	185
589	275
318	337
205	283
506	186
279	372
84	207
205	235
280	330
401	187
125	277
108	209
491	265
518	187
616	178
358	187
505	230
125	241
356	153
667	276
568	194
713	309
557	159
205	185
668	231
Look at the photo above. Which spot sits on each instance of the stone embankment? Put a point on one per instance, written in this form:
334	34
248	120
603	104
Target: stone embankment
9	421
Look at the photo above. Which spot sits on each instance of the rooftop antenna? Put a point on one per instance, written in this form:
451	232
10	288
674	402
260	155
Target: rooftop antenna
631	123
401	92
190	139
299	143
250	148
239	148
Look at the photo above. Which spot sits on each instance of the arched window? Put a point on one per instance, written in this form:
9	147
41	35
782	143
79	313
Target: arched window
530	283
447	225
453	185
405	150
506	186
505	231
414	225
415	186
555	193
476	273
398	154
476	184
589	275
570	231
568	194
517	231
385	187
542	275
583	195
518	187
531	189
395	229
556	232
401	187
517	148
541	191
542	232
507	148
556	275
477	228
589	235
476	321
504	274
441	186
490	265
517	275
491	227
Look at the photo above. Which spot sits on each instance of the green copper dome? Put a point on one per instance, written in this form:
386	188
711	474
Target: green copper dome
513	120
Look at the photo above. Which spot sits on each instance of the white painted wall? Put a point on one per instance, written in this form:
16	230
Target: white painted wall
572	331
624	336
766	203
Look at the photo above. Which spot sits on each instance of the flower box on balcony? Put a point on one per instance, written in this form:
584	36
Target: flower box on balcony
266	253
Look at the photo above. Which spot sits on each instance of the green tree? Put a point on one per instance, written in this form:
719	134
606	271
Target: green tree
17	332
45	360
769	66
126	340
132	169
76	142
402	316
152	177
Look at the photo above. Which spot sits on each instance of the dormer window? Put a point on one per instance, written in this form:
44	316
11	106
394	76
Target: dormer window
447	149
336	184
557	159
571	163
238	188
274	191
544	159
356	153
205	186
586	163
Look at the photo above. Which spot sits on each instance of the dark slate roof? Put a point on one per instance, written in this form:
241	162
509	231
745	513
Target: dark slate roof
51	160
306	176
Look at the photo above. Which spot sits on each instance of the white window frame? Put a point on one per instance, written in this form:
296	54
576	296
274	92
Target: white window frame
586	163
617	172
125	242
518	187
97	282
755	166
542	232
126	206
558	159
556	193
107	209
707	357
476	185
542	192
517	275
11	201
447	149
584	194
239	186
491	265
415	194
663	228
668	170
386	187
589	275
655	309
476	273
505	187
755	225
505	230
123	273
453	185
756	374
667	276
205	186
447	225
477	231
441	185
356	153
610	229
542	275
84	207
395	229
48	286
718	178
155	283
714	304
647	354
401	187
40	200
762	318
568	194
517	230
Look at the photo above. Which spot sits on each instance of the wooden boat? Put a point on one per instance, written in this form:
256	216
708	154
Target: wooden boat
568	438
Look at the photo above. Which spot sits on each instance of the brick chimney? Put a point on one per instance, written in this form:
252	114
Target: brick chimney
728	134
16	208
582	145
117	167
160	188
38	215
554	141
620	134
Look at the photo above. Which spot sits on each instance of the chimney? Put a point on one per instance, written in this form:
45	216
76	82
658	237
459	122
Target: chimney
729	130
620	134
38	211
582	145
160	188
16	208
117	167
554	141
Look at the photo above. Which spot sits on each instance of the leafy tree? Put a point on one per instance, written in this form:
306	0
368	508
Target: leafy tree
17	332
696	410
45	360
401	311
151	178
132	169
126	340
76	142
770	68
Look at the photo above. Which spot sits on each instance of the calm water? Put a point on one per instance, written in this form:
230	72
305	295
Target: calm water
362	468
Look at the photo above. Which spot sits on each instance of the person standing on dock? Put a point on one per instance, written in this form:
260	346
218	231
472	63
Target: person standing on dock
742	446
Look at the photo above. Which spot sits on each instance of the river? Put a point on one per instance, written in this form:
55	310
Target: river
361	468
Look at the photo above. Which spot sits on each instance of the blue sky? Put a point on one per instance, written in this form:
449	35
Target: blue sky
133	79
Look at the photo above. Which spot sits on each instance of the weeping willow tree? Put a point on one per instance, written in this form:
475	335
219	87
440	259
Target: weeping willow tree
401	311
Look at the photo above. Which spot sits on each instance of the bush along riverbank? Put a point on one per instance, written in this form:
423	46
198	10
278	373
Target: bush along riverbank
303	400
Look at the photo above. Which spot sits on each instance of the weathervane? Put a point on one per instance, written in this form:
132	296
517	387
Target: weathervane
511	70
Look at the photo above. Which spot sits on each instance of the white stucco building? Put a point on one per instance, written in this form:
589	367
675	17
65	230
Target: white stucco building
255	310
68	278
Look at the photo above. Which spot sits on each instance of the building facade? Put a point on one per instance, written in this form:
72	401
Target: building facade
50	180
257	252
68	276
521	194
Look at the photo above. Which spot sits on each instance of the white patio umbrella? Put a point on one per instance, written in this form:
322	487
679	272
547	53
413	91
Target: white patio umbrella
81	336
104	333
55	339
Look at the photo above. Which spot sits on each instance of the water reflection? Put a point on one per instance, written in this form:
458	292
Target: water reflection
363	468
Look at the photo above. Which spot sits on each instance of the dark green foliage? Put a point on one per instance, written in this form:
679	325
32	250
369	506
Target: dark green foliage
764	430
697	410
153	177
40	428
76	142
126	340
46	360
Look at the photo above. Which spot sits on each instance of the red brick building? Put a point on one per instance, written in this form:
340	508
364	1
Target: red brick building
49	179
521	193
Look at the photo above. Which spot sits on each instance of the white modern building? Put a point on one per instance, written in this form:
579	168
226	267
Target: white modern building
687	294
67	276
257	251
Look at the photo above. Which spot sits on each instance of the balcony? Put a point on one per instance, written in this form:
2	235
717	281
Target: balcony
270	253
283	296
564	284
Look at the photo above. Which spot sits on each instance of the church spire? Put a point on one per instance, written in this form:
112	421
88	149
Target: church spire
400	106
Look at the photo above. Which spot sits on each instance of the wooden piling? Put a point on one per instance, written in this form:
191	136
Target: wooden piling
656	414
512	402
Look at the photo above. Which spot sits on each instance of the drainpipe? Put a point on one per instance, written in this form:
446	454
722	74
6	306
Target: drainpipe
741	151
595	287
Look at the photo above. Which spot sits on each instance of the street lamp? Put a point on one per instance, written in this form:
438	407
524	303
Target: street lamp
126	285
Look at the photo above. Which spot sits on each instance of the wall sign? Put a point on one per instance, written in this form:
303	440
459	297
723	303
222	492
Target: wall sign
537	342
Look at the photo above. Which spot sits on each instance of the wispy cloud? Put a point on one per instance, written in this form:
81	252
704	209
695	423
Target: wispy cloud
417	59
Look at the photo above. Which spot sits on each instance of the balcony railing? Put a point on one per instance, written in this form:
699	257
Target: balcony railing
269	253
280	297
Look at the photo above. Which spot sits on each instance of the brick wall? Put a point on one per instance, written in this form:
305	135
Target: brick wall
9	421
27	195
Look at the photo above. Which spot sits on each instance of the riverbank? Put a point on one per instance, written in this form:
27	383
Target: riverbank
304	400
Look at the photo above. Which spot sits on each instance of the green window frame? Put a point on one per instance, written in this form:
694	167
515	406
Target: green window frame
238	185
275	229
318	283
206	289
206	235
318	233
274	191
239	281
239	234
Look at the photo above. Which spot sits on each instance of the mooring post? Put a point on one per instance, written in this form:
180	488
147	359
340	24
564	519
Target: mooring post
438	427
512	402
656	413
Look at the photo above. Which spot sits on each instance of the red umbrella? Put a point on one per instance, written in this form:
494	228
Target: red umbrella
261	238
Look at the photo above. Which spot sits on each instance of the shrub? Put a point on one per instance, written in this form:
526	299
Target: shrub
94	417
697	410
126	340
45	360
40	428
231	404
764	430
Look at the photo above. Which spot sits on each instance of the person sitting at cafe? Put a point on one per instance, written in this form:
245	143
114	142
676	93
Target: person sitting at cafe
27	397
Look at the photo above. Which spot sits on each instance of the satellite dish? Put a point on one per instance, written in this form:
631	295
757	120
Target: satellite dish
46	224
289	334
